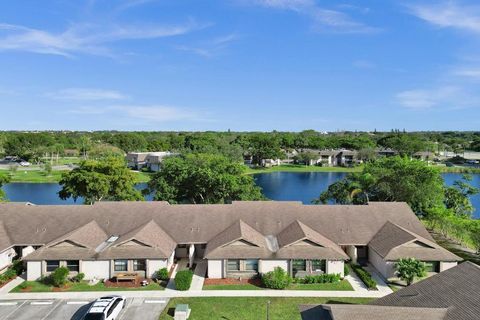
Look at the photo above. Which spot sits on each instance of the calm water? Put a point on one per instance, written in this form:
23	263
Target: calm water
276	186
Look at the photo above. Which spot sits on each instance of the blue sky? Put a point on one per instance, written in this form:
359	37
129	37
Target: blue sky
239	65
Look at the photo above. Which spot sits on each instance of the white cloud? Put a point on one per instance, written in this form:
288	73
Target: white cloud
446	96
324	19
449	14
86	94
82	38
472	73
210	48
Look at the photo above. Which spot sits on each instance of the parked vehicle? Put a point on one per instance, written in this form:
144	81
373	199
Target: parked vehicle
24	163
106	308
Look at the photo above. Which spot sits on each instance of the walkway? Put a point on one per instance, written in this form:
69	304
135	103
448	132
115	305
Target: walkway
199	275
181	265
12	284
381	284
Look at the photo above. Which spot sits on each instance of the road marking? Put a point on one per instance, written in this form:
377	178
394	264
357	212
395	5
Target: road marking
78	302
8	315
8	303
154	301
51	310
39	303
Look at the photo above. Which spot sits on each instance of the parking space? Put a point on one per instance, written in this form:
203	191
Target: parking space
137	308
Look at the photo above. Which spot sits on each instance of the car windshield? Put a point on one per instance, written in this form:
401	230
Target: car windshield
94	316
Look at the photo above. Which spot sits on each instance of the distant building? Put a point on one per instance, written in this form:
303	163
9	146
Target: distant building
150	160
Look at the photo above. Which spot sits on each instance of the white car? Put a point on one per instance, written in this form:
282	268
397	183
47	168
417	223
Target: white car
24	163
105	308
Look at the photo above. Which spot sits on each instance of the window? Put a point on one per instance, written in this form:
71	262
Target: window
318	265
121	265
52	265
251	265
139	265
299	265
73	265
432	266
233	265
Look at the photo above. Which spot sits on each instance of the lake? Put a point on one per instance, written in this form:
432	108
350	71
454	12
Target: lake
282	186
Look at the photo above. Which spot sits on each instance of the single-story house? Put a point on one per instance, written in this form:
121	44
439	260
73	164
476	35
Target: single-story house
450	295
333	158
241	239
150	160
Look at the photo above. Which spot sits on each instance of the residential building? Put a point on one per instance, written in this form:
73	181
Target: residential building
450	295
241	239
150	160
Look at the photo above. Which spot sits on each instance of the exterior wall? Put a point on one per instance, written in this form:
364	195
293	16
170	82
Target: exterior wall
171	260
386	268
265	266
34	270
352	253
215	269
95	269
191	254
335	267
27	250
6	258
444	265
181	252
154	265
154	167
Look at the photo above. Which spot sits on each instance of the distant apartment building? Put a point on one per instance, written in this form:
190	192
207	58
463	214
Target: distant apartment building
150	160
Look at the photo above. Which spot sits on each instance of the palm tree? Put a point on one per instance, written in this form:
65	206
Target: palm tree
409	268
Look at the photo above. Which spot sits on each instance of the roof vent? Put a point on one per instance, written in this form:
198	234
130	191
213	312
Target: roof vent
112	239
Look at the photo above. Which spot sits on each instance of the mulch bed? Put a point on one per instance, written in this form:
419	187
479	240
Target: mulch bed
230	281
4	284
125	284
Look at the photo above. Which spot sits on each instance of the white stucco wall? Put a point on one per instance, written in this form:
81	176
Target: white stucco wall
6	258
444	265
268	265
154	265
34	270
27	250
95	269
215	269
334	267
386	268
352	253
171	260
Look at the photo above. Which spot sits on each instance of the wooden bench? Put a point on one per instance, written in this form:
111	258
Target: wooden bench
126	277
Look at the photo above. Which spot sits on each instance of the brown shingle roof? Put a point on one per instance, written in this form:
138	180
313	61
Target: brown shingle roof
89	235
4	238
393	242
456	289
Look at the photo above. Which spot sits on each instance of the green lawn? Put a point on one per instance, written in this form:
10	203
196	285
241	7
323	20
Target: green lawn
249	308
302	168
36	286
247	286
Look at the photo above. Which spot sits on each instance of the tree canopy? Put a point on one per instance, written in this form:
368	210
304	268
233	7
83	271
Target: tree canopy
202	178
3	180
390	179
95	180
409	268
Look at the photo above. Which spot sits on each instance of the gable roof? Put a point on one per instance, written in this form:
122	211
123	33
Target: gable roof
89	236
391	243
239	230
5	241
150	234
455	289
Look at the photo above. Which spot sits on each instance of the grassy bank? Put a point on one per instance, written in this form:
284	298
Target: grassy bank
36	286
249	308
343	285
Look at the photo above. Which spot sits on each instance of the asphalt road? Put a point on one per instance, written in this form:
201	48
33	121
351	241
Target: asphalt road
135	308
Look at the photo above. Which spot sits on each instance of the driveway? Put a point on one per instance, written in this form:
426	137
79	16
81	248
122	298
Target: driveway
136	308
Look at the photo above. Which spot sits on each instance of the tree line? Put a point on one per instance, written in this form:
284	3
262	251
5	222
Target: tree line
260	145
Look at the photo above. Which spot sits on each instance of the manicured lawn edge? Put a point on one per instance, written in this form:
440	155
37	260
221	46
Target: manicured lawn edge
36	286
343	285
249	308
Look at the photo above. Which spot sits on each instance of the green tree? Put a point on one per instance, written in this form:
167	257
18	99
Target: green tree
306	157
404	144
264	146
390	179
457	197
3	180
47	167
202	178
408	269
95	180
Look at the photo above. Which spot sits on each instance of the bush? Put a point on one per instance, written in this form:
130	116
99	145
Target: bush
59	276
18	267
23	285
79	277
183	280
276	279
162	274
346	270
365	277
320	278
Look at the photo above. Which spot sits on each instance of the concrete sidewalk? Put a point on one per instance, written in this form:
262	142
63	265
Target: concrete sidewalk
199	276
9	286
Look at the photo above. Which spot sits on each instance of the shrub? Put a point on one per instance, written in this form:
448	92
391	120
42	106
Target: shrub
23	285
79	277
346	270
162	274
365	277
59	276
18	267
320	278
408	269
183	280
9	274
276	279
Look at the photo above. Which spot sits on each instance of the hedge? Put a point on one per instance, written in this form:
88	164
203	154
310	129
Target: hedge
276	279
320	278
365	277
183	280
